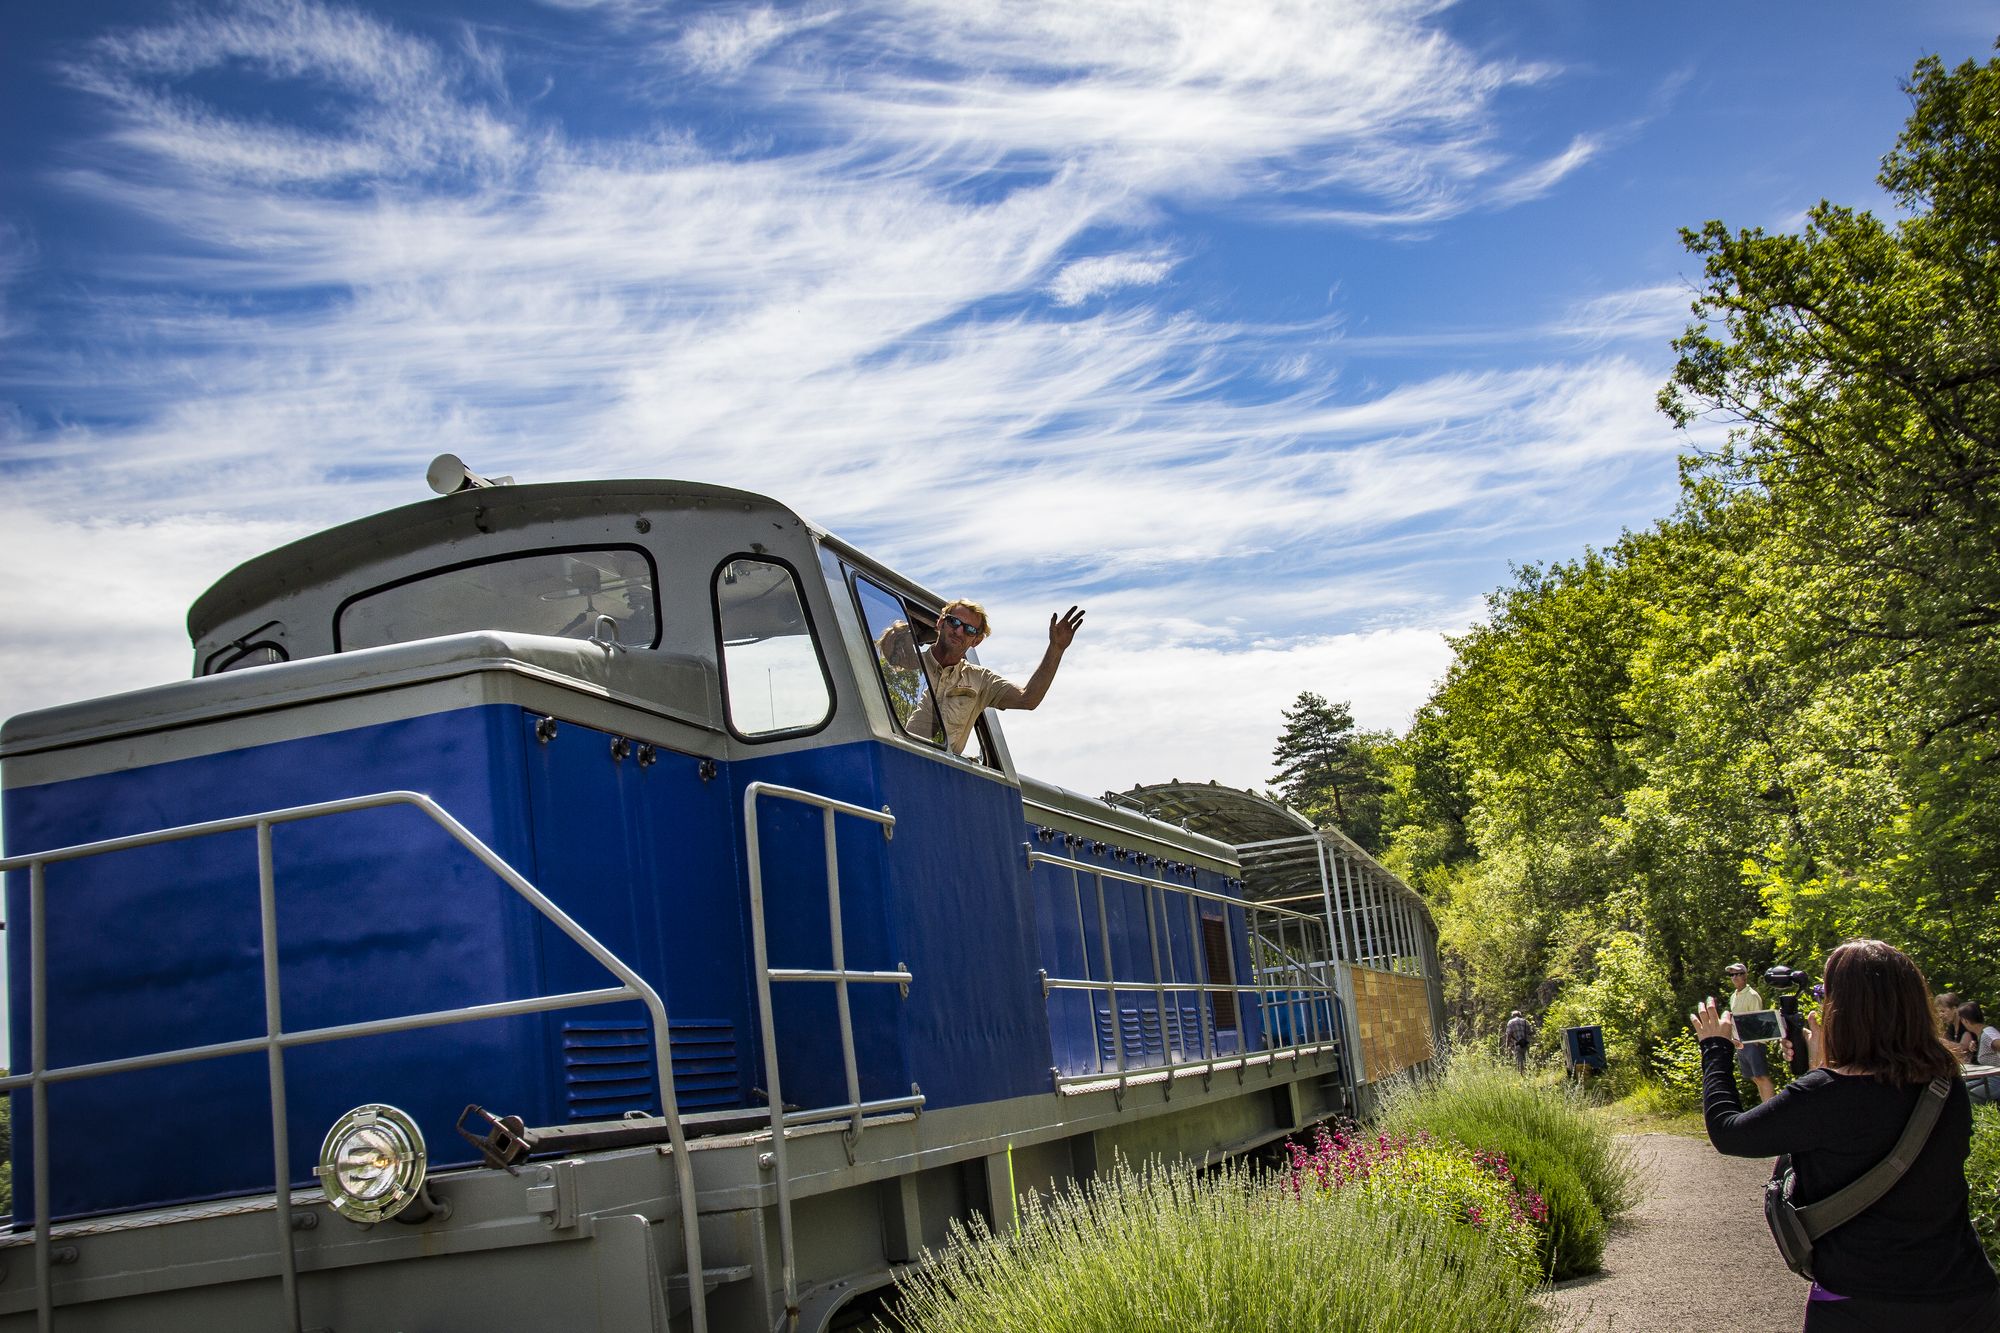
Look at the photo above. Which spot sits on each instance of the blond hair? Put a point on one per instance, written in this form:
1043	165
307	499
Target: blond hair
974	607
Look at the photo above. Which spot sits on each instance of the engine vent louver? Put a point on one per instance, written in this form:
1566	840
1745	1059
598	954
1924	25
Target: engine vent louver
608	1067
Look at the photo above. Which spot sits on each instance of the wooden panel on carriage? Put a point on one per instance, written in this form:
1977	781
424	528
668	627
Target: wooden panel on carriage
1392	1012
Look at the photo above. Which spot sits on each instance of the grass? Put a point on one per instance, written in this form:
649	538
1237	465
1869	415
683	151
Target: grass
1156	1250
1419	1227
1646	1110
1982	1177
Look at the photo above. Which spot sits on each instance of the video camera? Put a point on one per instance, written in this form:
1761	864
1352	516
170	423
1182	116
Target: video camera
1788	983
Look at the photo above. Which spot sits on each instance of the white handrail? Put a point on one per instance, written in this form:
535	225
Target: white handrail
839	975
276	1040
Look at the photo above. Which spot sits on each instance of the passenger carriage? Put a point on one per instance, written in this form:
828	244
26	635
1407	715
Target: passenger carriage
536	889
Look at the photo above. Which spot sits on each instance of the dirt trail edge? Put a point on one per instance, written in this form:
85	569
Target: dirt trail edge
1694	1254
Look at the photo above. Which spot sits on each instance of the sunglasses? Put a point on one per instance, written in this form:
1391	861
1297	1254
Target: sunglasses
963	628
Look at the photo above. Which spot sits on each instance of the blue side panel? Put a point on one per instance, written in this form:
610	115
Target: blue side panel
1066	938
1154	935
975	1023
380	913
948	897
642	857
1249	1007
805	1016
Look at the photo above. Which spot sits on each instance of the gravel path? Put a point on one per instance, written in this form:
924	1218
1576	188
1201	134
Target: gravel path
1693	1255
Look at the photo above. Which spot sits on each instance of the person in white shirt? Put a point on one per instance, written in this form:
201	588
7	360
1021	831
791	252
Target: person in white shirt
1987	1038
1749	1055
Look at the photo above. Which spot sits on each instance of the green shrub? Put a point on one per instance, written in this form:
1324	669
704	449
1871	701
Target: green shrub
1446	1179
1982	1177
1158	1251
1554	1118
1571	1236
1677	1066
1553	1143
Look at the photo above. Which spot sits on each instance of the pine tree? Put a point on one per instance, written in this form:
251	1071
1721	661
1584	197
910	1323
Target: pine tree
1316	757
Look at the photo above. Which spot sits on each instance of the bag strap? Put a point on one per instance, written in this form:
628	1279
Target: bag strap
1843	1204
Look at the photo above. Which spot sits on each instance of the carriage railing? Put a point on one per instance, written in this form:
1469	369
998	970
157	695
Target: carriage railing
1293	982
1282	950
839	976
276	1040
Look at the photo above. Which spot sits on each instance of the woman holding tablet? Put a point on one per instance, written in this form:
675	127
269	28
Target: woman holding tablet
1910	1259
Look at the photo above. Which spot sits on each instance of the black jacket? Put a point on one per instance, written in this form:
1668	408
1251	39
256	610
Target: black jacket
1916	1242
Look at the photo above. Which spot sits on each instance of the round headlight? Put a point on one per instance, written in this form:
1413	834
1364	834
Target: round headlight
372	1163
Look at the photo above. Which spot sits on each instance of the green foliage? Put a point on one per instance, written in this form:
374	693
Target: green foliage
1982	1177
1857	361
1765	724
1573	1241
1160	1251
1677	1071
1550	1139
1621	986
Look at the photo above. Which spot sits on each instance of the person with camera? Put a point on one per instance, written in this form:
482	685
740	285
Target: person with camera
1908	1259
1750	1056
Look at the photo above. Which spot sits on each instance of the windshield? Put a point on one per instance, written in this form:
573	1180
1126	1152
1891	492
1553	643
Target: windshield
560	593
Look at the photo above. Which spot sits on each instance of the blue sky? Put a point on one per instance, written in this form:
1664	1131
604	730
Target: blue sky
1271	331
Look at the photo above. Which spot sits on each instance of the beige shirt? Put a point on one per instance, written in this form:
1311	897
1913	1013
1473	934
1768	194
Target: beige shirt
965	690
1745	1001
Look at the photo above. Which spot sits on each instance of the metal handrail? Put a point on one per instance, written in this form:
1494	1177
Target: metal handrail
1306	993
1189	890
840	976
276	1040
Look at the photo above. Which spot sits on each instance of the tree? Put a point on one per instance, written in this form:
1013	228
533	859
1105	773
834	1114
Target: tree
1860	364
1767	723
1330	772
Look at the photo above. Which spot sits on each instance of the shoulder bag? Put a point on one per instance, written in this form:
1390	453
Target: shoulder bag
1795	1229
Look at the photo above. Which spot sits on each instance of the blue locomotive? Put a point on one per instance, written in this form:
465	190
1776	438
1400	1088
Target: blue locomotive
537	913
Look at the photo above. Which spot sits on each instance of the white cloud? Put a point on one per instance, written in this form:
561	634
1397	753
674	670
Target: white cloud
94	607
727	43
402	262
1540	178
388	94
1082	279
1156	714
1654	314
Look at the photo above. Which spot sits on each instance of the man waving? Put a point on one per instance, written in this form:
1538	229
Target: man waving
957	690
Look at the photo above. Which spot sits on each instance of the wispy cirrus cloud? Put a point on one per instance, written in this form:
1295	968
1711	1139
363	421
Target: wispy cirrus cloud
1538	178
386	106
728	43
923	280
1656	314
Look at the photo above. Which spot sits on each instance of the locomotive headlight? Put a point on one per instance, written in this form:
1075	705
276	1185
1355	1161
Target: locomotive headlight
372	1164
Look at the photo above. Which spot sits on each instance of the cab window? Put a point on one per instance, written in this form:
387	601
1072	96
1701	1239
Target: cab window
774	682
560	593
898	634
